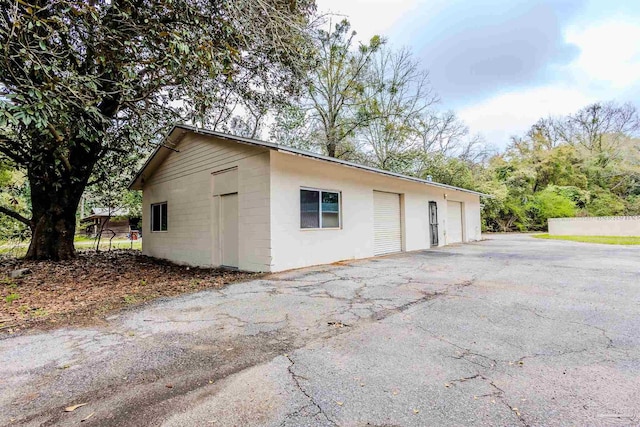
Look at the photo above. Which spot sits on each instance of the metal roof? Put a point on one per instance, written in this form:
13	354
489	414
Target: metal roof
282	148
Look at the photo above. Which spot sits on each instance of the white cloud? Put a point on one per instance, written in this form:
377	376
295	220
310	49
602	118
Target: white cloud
610	53
607	68
369	18
512	113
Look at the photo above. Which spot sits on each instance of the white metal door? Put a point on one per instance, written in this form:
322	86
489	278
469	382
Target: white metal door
387	230
454	222
229	229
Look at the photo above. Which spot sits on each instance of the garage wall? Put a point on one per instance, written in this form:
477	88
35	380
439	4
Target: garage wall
185	181
293	247
595	226
470	215
268	183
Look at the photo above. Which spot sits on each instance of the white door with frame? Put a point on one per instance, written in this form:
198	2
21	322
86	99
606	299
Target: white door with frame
454	222
387	223
229	230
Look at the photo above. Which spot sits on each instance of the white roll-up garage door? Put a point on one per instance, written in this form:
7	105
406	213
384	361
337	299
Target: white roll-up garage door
387	231
454	222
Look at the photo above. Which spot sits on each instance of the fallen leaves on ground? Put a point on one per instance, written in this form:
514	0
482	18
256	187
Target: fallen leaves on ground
87	417
74	407
87	288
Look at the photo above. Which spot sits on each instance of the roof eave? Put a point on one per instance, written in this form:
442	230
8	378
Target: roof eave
137	184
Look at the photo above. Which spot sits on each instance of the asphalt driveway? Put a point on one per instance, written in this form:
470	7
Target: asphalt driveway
508	331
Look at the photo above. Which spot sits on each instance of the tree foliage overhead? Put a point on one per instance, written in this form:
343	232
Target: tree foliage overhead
337	83
84	84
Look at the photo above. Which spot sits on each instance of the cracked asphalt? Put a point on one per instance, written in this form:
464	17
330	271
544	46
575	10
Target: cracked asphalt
508	331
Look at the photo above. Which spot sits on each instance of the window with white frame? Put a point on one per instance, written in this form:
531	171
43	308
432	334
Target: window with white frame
159	216
319	208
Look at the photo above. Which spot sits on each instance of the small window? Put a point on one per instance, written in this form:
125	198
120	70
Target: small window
319	209
159	217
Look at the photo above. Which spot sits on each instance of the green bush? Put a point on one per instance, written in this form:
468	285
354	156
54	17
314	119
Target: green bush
577	195
604	203
633	205
548	204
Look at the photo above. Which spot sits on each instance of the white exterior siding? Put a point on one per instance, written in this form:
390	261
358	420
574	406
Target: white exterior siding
185	181
293	247
268	182
471	227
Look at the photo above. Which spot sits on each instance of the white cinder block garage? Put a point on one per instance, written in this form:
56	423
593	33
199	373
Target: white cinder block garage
212	199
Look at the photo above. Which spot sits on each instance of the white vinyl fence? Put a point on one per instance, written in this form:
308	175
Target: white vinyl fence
595	226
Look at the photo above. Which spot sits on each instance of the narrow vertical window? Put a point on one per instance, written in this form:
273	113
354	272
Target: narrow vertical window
163	217
159	217
330	210
309	209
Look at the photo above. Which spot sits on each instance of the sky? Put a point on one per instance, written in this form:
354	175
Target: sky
503	64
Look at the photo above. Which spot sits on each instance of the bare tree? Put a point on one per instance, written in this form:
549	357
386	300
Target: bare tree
248	124
600	127
336	84
547	132
474	150
396	94
441	132
291	127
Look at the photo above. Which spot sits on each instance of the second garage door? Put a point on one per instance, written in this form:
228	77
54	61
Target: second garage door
387	229
454	222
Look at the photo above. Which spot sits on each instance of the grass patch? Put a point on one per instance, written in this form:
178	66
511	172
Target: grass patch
130	299
11	297
607	240
104	244
13	249
19	249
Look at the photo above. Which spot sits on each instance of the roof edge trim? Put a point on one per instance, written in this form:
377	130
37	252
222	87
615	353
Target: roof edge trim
303	153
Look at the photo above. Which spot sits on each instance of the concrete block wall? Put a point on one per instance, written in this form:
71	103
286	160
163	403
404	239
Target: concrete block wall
293	247
254	205
185	181
595	226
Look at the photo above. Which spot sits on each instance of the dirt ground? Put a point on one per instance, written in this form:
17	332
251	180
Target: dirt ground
86	289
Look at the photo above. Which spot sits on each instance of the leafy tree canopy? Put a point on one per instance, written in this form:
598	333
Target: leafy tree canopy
85	85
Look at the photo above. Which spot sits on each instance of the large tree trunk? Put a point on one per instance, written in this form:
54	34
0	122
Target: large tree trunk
55	196
53	233
331	144
331	150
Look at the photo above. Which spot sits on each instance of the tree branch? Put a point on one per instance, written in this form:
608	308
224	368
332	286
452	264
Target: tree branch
13	155
16	216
